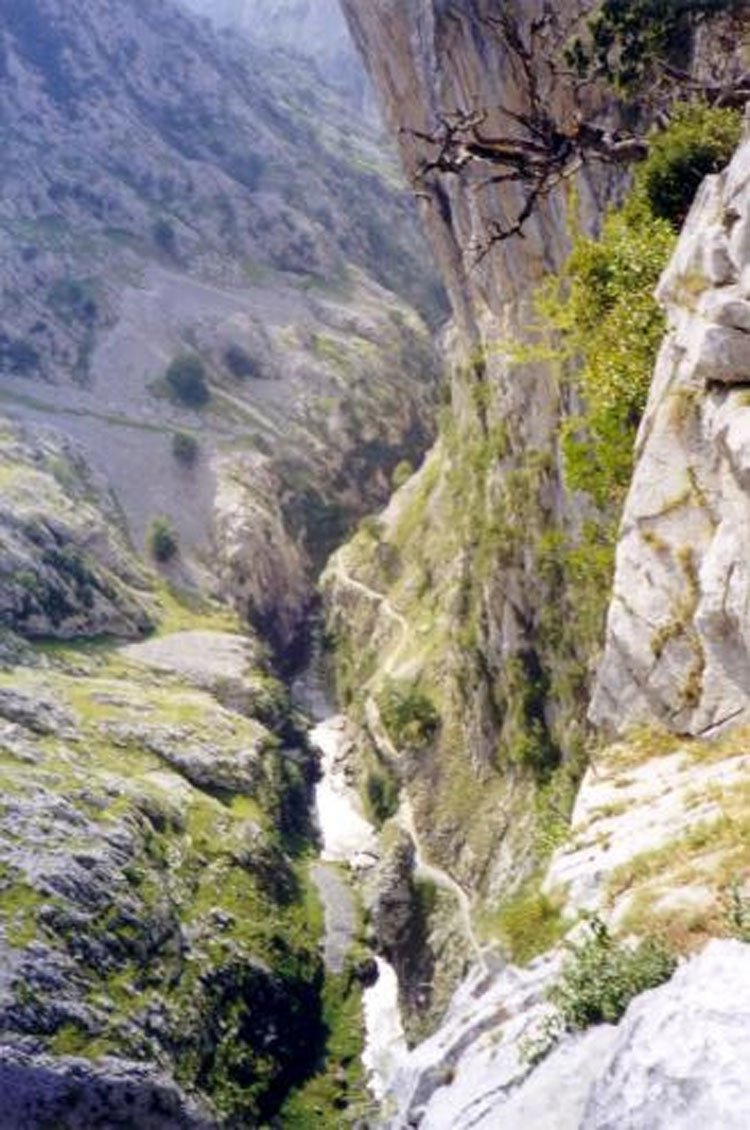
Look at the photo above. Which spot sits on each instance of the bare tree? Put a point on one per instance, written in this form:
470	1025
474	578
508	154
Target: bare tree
564	77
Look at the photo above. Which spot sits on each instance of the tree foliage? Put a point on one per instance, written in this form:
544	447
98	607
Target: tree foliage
639	44
604	307
186	380
162	540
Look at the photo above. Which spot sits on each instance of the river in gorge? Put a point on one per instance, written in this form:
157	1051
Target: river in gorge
349	847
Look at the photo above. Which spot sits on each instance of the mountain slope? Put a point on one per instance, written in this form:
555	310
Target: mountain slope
168	192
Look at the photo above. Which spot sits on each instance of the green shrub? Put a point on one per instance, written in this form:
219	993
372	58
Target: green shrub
604	307
700	140
625	43
528	924
75	300
185	448
401	472
601	977
186	380
17	356
240	364
410	718
162	540
737	911
382	791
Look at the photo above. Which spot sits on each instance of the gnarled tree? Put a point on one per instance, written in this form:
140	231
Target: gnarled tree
591	88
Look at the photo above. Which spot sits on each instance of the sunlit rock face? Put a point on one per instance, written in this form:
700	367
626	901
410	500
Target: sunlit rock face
675	1059
678	636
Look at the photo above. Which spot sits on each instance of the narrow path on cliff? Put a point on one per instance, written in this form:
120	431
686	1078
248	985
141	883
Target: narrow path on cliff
405	816
422	868
346	579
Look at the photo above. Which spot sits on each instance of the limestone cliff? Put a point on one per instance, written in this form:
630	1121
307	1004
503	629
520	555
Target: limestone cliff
678	635
466	649
457	552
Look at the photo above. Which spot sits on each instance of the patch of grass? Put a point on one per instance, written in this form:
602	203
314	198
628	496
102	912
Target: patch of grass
527	924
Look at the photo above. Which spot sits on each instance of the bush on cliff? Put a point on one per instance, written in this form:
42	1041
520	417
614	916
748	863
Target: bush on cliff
601	976
186	381
604	307
162	540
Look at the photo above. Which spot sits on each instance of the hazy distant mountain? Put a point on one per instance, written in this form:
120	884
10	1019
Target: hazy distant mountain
314	28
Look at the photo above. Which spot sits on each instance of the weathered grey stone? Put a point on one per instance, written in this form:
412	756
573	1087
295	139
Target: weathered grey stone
678	634
681	1052
113	1094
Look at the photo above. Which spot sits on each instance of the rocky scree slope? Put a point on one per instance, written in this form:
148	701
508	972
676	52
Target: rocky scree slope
168	192
460	627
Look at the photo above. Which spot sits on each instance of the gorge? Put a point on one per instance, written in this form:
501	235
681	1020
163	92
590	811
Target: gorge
374	676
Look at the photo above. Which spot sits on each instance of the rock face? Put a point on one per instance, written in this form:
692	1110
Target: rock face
70	1093
678	1054
152	928
65	568
676	1058
678	634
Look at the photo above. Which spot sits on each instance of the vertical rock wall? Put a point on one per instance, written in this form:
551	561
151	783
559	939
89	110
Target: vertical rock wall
678	635
458	553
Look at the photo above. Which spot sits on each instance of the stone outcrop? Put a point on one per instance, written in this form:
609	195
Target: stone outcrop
678	634
66	568
147	892
677	1058
70	1093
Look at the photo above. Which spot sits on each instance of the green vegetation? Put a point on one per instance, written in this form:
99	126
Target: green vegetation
603	307
239	362
17	356
626	43
601	976
700	140
185	448
337	1089
527	924
401	472
161	540
410	717
737	911
381	793
75	300
186	381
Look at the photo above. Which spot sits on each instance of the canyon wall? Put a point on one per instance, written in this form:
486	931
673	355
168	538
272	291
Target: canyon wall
469	619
